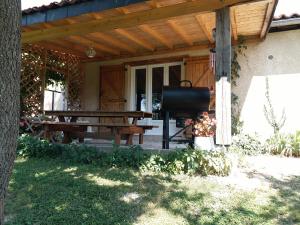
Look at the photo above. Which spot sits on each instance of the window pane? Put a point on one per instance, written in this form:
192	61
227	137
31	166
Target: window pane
140	79
157	84
174	75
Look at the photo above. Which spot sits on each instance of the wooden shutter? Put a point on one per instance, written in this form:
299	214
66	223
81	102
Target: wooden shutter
197	70
112	90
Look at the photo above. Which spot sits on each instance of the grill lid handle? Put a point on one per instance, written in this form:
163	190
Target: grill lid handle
187	81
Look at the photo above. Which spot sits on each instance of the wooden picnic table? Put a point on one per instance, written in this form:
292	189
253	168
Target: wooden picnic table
74	115
72	126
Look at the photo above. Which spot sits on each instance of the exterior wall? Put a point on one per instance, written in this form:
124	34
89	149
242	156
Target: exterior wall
278	59
92	72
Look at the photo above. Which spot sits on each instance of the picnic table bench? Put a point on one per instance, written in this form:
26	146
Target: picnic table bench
74	128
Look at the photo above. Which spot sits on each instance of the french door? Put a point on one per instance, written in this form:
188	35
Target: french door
146	90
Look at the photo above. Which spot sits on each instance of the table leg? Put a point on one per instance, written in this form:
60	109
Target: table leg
74	119
81	134
118	139
134	121
141	139
61	119
47	133
67	138
129	139
117	135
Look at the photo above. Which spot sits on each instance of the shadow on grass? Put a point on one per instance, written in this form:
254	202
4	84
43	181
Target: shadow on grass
285	206
50	192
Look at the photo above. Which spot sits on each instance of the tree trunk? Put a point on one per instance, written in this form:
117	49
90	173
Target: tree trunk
10	61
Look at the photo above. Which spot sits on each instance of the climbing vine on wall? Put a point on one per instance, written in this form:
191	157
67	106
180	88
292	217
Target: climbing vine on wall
238	50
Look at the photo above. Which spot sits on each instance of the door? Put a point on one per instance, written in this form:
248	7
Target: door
112	90
148	82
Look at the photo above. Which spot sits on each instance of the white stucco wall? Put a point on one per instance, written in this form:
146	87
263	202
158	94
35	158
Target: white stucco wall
283	71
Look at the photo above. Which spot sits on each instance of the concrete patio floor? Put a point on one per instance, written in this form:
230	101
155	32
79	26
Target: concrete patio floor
150	143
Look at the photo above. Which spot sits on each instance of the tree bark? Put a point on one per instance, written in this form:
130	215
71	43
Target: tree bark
10	61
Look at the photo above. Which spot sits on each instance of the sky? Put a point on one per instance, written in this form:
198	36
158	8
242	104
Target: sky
284	6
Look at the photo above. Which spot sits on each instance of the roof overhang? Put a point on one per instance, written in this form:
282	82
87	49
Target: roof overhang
64	10
149	27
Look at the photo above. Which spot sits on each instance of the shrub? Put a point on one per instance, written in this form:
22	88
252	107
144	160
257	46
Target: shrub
186	161
247	144
189	161
287	145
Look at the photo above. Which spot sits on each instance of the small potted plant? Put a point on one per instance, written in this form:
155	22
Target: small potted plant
204	131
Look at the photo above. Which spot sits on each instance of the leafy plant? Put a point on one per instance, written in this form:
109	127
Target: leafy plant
54	78
272	119
247	144
287	145
187	161
238	50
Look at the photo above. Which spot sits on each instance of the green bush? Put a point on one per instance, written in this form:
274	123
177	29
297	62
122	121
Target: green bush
247	144
287	145
186	161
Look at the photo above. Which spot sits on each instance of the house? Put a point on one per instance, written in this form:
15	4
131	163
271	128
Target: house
117	55
277	57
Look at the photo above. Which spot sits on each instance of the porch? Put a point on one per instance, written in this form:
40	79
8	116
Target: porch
118	58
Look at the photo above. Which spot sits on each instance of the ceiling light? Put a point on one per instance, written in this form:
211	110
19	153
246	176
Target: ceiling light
90	52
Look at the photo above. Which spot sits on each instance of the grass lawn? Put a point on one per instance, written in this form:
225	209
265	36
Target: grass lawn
52	192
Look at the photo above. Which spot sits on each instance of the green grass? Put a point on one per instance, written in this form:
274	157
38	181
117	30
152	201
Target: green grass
52	192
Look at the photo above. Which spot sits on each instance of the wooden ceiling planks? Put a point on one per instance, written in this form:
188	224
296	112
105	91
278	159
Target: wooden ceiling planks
180	32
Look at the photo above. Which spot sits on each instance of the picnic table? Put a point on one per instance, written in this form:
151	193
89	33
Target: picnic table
73	128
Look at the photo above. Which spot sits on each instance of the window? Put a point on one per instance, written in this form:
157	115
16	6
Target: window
149	82
140	79
157	84
174	75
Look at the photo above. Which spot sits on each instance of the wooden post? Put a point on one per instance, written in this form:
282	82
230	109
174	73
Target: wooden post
223	76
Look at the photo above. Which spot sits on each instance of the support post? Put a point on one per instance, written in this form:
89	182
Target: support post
223	76
166	130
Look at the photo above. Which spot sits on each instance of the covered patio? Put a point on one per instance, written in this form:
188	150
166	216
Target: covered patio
117	55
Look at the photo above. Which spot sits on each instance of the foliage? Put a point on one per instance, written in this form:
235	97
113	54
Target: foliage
287	145
235	65
46	191
186	161
235	75
272	119
237	124
247	144
54	78
278	144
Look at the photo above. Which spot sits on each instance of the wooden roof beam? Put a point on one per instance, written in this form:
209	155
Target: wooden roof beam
135	39
147	29
268	17
233	24
153	4
127	20
180	32
113	41
203	26
89	43
55	47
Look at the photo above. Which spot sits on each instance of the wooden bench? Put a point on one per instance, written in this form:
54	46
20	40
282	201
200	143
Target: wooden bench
73	129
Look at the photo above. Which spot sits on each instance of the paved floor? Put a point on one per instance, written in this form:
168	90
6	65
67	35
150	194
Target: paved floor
150	143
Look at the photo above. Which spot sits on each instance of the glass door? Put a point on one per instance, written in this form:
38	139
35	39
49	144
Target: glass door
148	83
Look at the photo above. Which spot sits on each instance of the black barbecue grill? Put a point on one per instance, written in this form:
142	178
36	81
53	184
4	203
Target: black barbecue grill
183	103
